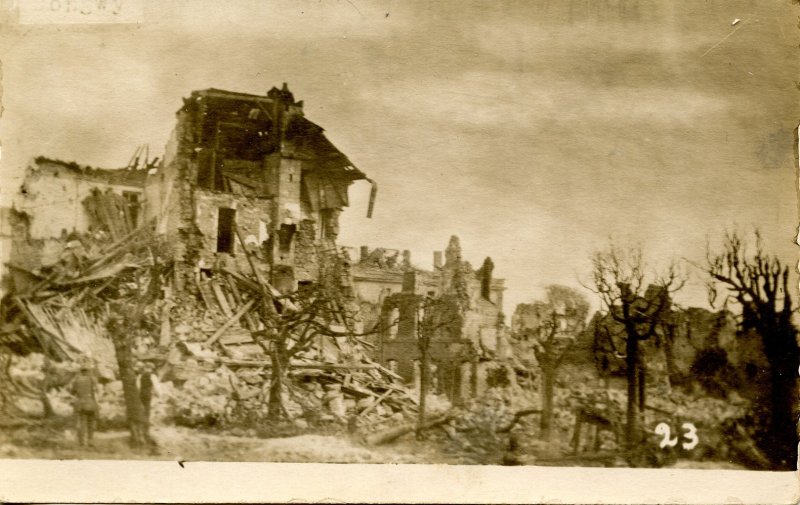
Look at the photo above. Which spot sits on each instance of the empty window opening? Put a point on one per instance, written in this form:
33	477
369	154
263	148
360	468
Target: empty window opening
226	220
285	236
393	322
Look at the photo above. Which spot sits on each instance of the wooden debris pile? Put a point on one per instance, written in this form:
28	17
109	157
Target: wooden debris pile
222	361
210	342
63	314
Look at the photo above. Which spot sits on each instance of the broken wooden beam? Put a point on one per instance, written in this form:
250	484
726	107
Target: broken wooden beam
375	403
216	289
233	319
266	299
395	432
203	295
230	282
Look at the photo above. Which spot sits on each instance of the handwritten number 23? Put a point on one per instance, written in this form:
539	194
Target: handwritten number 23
690	435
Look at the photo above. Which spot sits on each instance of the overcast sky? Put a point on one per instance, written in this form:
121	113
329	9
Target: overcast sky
534	130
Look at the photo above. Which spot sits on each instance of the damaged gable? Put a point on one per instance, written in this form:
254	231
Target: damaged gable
236	132
251	172
63	197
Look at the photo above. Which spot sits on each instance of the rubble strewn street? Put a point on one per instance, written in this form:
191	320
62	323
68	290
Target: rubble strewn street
201	307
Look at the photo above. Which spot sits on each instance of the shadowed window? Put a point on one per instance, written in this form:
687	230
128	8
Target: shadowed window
225	221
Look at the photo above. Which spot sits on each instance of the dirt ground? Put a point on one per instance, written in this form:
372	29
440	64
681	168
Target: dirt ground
174	443
56	440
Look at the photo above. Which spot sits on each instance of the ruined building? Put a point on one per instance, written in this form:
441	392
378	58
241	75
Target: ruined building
250	172
58	200
470	335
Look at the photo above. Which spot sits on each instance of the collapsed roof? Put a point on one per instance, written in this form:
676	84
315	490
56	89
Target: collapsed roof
256	125
114	176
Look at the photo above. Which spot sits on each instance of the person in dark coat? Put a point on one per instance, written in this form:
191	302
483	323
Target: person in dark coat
148	385
83	389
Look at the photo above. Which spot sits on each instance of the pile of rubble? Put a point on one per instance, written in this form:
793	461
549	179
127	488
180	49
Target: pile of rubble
479	430
236	393
211	349
503	427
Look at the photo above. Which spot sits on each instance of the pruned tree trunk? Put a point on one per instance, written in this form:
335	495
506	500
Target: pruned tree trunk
425	374
641	372
134	411
547	392
669	357
760	284
279	365
781	439
632	414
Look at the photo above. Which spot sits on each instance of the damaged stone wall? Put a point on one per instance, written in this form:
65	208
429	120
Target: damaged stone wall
672	355
58	202
170	198
463	351
26	255
53	194
252	163
252	218
306	259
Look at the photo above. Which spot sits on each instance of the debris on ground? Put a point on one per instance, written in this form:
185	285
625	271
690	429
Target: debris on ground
212	359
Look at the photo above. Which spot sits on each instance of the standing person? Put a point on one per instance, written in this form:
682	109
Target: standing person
148	384
83	388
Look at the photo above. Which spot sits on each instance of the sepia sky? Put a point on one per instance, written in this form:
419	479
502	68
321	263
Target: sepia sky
534	129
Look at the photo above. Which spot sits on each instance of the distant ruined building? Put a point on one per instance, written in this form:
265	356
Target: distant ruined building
693	348
244	171
471	339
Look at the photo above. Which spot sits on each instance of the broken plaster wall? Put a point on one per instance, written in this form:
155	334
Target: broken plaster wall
483	321
465	353
169	193
49	207
264	190
52	194
25	254
252	217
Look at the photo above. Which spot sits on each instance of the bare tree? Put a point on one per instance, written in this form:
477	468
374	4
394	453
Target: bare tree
638	302
434	315
120	327
295	322
551	327
759	284
129	294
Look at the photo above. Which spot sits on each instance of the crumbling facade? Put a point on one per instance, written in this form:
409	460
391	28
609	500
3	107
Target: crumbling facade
468	304
57	201
249	171
248	187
